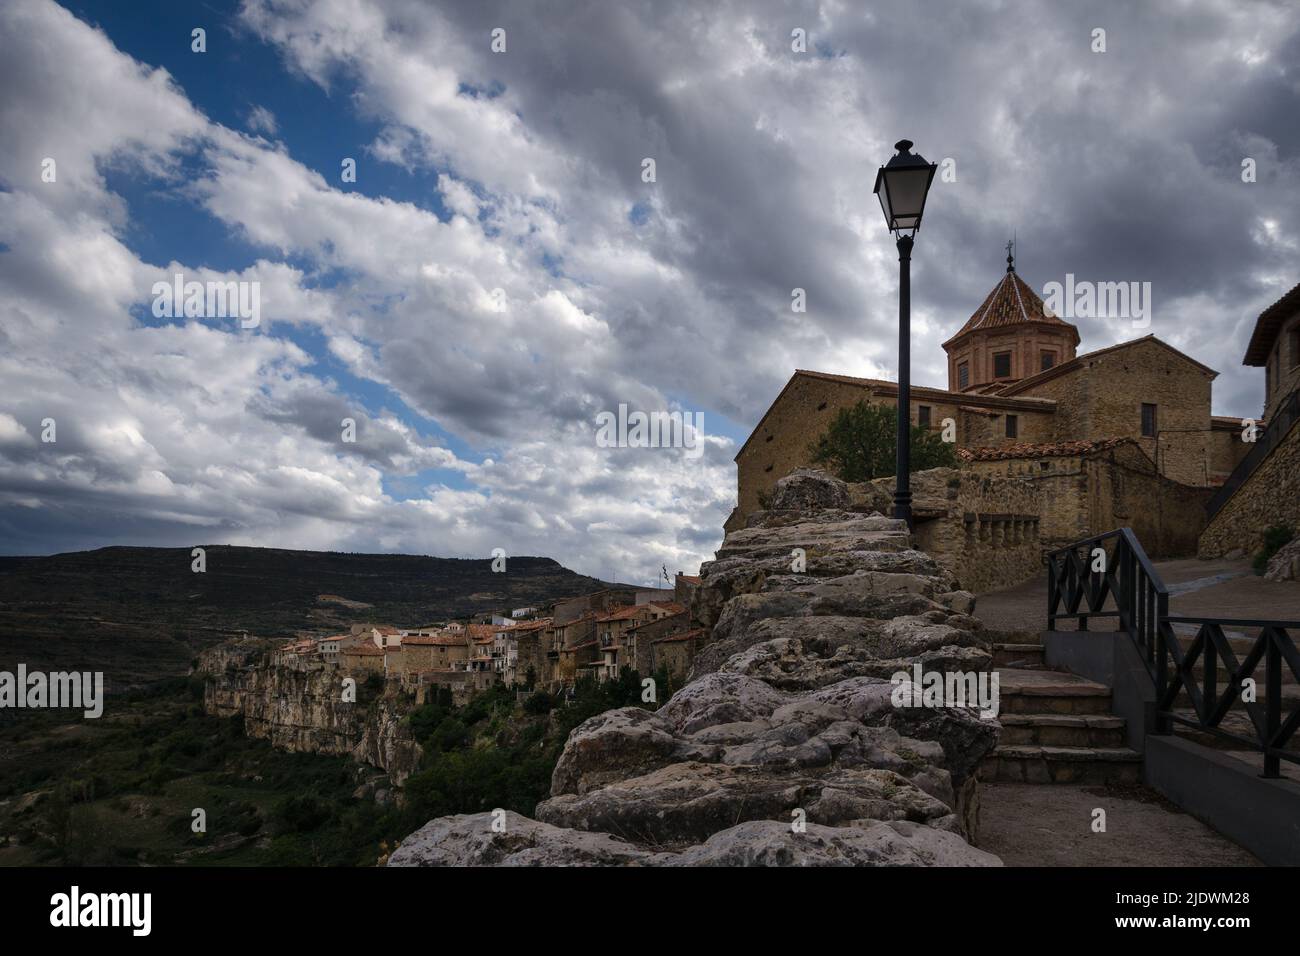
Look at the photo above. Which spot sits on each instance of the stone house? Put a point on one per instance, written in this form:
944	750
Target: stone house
566	635
675	652
638	640
432	652
612	629
576	660
329	648
599	602
515	649
684	586
363	659
1015	379
1264	490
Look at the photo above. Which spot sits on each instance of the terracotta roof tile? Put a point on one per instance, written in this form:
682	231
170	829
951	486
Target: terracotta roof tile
436	640
625	613
1012	302
683	636
1059	449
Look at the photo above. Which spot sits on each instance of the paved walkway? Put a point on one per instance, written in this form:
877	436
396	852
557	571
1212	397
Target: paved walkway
1221	588
1051	825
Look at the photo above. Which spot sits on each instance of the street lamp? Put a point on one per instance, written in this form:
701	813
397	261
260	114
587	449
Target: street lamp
901	186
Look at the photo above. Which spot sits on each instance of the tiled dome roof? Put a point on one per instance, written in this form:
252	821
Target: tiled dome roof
1012	302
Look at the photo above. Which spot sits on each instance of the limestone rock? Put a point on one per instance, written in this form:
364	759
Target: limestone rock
864	843
787	715
471	840
1285	565
809	489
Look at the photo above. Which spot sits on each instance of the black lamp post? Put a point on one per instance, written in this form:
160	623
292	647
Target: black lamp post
902	185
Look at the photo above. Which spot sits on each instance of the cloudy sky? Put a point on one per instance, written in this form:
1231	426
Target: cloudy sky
522	171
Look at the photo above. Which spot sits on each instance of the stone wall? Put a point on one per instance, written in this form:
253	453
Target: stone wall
1087	494
985	530
1227	448
1026	341
1270	496
1102	397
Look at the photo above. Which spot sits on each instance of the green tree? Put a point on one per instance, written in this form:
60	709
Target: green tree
860	444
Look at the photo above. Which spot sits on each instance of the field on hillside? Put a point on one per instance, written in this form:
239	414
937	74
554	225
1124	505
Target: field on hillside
142	614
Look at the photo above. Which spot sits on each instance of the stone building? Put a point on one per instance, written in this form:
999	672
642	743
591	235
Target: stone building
1017	381
432	652
598	601
1275	346
638	640
363	659
612	633
1264	490
675	652
1009	338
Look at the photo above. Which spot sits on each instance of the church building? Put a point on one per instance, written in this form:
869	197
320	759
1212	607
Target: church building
1023	401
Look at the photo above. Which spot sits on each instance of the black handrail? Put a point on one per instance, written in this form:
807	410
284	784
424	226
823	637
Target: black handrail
1113	566
1272	432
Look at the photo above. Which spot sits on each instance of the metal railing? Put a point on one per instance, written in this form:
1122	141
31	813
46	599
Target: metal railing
1266	440
1110	576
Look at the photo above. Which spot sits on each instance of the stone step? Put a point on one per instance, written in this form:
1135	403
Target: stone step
1028	656
1061	730
1050	692
1012	637
1041	764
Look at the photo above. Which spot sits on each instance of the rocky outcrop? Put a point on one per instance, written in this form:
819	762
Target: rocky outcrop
304	711
1285	565
507	839
785	746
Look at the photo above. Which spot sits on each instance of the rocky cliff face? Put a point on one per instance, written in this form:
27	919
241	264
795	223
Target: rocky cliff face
304	711
785	747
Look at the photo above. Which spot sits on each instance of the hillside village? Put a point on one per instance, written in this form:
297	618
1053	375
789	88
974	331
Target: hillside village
549	648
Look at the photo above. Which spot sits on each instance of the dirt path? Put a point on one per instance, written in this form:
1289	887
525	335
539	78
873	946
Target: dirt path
1039	825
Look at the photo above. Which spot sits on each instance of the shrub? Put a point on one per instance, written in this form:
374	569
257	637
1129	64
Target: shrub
861	443
539	704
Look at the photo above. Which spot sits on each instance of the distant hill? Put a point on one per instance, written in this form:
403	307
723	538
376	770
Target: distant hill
140	614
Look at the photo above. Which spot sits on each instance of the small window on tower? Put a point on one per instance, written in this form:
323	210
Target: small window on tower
963	375
923	415
1148	421
1295	347
1047	361
1002	365
1013	426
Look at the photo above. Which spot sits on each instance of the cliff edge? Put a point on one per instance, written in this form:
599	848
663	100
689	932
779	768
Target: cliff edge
786	747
